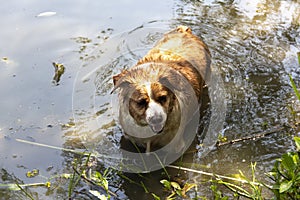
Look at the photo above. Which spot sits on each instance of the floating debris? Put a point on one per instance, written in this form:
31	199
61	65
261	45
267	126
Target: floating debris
68	125
46	14
59	70
7	61
33	173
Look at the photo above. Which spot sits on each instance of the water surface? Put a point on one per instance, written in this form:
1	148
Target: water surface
254	46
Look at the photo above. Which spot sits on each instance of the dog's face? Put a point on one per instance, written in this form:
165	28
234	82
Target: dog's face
149	102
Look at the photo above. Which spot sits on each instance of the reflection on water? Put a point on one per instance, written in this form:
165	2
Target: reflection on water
254	46
250	50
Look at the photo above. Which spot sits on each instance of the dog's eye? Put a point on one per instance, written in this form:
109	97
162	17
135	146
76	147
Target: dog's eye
141	102
162	99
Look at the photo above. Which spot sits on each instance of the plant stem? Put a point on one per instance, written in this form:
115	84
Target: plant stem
214	175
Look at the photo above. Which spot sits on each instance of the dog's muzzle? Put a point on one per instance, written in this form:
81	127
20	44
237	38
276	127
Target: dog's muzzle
156	124
156	117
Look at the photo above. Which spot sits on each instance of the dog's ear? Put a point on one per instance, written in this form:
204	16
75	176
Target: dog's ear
119	80
117	77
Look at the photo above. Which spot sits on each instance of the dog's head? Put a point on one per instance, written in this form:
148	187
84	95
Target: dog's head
146	96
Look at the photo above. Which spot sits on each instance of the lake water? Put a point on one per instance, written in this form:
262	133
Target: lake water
254	45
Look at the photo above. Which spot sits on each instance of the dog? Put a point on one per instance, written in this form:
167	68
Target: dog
158	96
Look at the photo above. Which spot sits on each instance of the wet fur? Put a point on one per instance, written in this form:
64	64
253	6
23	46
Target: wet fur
177	56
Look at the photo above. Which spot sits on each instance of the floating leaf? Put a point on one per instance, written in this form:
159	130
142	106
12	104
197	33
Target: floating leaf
7	61
68	125
59	71
33	173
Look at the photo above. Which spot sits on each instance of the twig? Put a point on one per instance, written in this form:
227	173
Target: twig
252	137
64	149
49	146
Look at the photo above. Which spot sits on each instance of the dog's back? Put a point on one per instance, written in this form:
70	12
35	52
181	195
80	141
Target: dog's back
180	45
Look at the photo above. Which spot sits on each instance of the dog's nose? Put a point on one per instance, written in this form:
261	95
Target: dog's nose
156	124
156	119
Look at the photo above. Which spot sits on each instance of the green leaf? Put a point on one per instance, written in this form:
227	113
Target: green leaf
166	184
288	163
175	185
284	186
179	193
294	87
276	187
98	175
155	196
296	160
105	184
297	141
100	180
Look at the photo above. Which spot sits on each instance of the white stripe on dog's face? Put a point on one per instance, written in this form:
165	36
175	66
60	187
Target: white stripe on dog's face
156	115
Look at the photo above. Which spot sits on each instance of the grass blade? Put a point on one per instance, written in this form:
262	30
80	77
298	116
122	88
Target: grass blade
294	87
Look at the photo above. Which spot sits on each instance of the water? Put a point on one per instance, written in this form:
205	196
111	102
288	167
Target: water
254	46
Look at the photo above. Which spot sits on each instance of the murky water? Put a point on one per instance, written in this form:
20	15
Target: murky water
254	46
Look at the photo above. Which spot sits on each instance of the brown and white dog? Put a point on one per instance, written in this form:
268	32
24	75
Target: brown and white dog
160	93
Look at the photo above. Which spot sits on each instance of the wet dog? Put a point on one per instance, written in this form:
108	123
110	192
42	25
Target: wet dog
162	91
